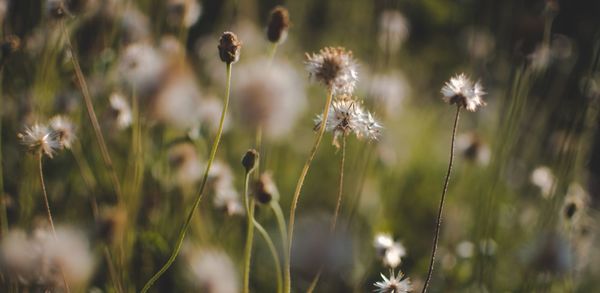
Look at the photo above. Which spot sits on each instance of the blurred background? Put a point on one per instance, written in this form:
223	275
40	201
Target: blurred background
522	203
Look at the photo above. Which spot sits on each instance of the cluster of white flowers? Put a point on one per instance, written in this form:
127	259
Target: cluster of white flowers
391	253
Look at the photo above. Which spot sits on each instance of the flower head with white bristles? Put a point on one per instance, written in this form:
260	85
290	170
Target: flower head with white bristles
334	67
65	129
393	284
40	138
346	116
462	91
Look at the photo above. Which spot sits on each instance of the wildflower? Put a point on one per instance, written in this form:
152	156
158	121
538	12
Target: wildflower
226	197
141	67
389	91
334	67
473	148
178	101
574	204
393	284
229	48
265	189
249	160
65	130
347	116
390	251
183	12
271	98
40	138
543	178
460	90
279	22
393	30
465	249
121	110
212	271
135	26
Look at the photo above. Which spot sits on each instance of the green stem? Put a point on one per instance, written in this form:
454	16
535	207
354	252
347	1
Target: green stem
249	203
338	205
280	223
191	213
273	250
299	184
92	114
441	207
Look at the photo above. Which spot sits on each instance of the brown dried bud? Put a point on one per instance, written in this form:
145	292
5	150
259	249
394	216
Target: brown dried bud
249	160
229	48
279	22
265	189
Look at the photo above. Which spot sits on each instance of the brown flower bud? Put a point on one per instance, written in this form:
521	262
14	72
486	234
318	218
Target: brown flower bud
249	160
265	189
229	48
279	22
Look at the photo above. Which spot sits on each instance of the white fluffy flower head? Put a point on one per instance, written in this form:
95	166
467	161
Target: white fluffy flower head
65	129
40	138
334	67
393	284
347	116
462	91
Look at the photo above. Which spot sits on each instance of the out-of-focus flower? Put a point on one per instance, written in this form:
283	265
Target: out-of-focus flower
121	110
549	253
479	43
394	29
334	67
135	26
465	249
543	178
178	102
462	91
393	284
271	97
347	116
183	12
225	197
141	68
65	129
472	147
185	163
43	260
212	271
388	250
279	22
389	91
39	138
210	114
265	189
574	205
540	58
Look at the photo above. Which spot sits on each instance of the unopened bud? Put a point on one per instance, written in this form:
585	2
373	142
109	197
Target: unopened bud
279	22
249	160
229	48
265	189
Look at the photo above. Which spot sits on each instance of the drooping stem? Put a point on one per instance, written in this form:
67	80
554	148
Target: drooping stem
249	203
299	184
336	213
49	213
274	255
441	207
92	114
280	224
191	213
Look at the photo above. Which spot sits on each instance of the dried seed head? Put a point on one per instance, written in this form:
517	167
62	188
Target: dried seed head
460	90
40	139
279	22
265	189
65	129
229	48
249	160
334	67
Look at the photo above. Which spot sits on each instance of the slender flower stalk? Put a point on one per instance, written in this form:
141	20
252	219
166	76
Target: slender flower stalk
299	184
336	213
273	251
229	52
462	92
249	235
92	114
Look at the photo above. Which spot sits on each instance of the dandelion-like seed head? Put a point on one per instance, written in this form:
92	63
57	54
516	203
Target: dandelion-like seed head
462	91
65	129
393	284
40	138
347	116
334	67
229	48
279	22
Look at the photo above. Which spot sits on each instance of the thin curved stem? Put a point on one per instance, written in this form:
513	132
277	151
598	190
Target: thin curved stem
299	184
49	213
92	114
191	213
273	250
439	215
338	205
280	223
249	203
